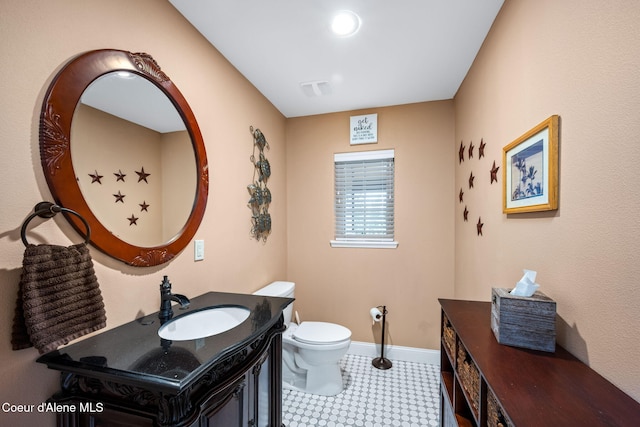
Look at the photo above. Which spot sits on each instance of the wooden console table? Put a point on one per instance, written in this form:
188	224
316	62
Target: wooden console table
484	383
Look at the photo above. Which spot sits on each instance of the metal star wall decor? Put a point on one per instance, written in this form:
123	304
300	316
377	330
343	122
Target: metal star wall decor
468	151
142	176
494	172
95	177
119	197
132	220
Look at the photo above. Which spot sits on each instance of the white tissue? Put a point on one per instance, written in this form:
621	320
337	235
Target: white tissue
376	315
527	285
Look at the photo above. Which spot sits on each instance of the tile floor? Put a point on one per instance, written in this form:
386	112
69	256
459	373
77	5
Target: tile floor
407	395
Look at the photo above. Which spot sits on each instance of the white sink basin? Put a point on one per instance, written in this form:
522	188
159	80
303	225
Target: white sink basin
203	323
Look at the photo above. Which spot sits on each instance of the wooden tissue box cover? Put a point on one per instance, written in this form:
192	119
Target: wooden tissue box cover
528	322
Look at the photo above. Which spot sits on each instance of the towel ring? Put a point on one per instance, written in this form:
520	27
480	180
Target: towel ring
49	210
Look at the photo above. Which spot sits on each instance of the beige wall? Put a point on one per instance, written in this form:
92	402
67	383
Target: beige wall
342	284
103	143
580	60
178	187
36	38
107	144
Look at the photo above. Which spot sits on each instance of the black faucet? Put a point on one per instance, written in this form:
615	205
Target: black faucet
166	312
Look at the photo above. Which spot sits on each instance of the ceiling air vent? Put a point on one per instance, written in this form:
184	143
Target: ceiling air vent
316	88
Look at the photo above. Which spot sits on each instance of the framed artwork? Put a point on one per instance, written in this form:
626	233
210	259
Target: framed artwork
530	170
364	129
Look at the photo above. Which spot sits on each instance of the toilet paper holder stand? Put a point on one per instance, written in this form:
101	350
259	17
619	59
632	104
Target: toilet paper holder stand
382	362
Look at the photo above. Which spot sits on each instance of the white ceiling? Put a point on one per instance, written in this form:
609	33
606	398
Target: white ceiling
406	51
134	99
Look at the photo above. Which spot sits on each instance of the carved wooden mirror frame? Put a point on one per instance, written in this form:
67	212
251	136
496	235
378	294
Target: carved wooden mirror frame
58	108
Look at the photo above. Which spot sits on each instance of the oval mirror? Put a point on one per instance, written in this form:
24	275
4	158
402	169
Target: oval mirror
120	145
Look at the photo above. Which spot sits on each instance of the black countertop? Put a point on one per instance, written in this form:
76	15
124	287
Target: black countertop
134	354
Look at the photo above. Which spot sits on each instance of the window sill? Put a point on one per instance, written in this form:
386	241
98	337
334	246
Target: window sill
391	244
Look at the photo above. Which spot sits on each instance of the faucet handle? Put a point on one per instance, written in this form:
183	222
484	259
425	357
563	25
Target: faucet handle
165	286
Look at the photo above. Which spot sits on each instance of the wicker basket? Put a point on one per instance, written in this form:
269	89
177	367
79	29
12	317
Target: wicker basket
469	377
495	416
449	336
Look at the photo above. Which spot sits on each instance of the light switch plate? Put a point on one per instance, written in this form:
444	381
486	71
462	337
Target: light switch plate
198	250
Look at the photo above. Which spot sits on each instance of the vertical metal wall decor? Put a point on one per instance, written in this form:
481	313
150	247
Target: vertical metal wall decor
258	190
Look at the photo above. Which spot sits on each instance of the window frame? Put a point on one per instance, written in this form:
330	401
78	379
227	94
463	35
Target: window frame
364	242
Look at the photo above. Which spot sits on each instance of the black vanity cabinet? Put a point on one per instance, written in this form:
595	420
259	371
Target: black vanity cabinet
246	401
231	379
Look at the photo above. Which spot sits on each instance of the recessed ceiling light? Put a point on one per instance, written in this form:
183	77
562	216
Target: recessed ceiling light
125	74
346	23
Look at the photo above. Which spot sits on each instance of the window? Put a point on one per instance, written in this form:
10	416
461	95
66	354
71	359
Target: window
364	199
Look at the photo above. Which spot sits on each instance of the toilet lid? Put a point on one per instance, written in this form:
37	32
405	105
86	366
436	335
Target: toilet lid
321	333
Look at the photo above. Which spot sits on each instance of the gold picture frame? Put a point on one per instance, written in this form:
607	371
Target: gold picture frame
530	170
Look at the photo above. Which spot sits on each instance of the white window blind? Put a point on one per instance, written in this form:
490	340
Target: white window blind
364	199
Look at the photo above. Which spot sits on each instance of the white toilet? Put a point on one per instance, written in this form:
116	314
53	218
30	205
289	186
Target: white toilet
311	351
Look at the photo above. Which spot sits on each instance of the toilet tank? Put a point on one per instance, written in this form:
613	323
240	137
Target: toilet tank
280	289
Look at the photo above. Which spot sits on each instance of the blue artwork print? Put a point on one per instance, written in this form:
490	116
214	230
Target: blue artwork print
526	176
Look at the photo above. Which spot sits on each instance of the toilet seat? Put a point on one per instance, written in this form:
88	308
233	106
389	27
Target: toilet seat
320	333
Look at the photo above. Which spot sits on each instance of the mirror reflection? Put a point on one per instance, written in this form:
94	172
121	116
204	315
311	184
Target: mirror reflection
133	159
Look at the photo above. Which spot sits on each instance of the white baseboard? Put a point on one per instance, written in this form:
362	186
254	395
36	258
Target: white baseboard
395	352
